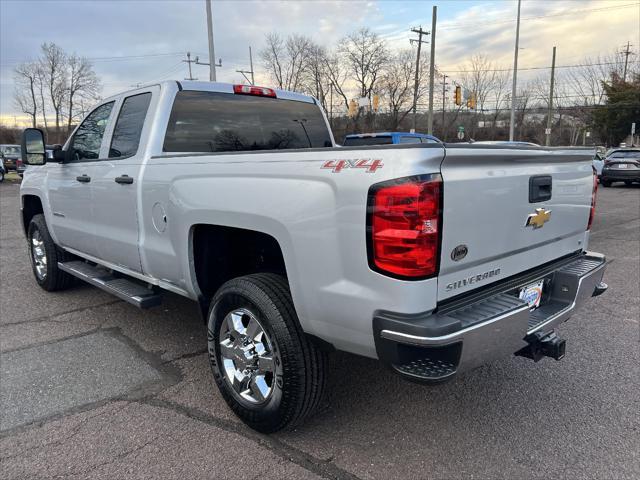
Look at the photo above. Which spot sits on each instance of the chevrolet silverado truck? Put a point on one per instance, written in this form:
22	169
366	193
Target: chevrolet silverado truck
433	258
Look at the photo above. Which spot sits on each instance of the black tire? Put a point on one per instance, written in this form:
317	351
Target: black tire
605	183
54	279
628	183
301	382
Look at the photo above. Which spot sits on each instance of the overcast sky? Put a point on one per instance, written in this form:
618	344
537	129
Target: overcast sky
132	42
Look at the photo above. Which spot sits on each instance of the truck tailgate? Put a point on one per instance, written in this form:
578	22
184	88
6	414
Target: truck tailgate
490	193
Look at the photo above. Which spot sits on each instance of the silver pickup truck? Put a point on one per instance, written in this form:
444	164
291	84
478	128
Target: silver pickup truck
433	258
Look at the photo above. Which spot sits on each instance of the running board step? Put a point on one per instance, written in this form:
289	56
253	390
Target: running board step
123	288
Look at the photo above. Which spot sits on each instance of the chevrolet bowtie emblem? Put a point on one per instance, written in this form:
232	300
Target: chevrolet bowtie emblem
538	219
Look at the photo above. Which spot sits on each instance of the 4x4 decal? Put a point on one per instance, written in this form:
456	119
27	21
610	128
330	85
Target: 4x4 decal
370	165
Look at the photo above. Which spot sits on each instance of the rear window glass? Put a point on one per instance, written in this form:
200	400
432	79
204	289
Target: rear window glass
223	122
629	154
410	140
357	141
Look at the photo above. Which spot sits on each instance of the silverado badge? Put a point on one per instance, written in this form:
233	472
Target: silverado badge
538	219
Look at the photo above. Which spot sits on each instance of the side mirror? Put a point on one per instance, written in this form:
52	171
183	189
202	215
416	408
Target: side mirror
59	155
33	152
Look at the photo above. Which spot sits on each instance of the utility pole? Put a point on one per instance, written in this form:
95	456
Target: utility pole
512	120
188	61
244	72
550	112
212	55
420	33
432	70
444	101
626	54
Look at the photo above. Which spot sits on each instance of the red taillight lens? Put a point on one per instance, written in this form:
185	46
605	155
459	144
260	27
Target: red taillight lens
405	222
251	90
592	213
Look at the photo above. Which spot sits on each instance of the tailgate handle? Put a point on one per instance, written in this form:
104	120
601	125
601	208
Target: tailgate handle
539	188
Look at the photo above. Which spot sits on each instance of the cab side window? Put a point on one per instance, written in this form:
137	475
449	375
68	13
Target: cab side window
88	137
126	134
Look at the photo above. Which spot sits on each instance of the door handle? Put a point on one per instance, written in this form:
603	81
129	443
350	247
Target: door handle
126	179
84	178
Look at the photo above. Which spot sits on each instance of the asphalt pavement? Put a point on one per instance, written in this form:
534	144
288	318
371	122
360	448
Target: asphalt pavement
91	387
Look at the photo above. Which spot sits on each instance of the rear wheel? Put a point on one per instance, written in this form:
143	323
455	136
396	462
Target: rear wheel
45	256
268	372
628	183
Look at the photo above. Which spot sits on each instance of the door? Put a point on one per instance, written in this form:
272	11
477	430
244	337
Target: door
69	184
116	185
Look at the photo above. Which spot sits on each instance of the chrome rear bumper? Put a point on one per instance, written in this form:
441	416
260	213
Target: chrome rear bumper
435	346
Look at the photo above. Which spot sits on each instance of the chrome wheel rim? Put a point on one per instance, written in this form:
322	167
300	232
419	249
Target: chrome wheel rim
247	357
39	255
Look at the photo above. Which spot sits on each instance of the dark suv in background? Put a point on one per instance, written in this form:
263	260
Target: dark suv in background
621	165
10	155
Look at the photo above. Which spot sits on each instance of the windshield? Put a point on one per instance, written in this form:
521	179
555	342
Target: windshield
358	141
11	150
223	122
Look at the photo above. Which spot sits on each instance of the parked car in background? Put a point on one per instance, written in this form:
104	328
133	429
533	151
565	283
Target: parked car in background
10	153
387	138
621	165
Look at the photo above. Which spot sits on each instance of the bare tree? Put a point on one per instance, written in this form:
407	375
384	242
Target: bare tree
498	97
83	84
26	76
397	83
286	59
337	75
365	56
53	63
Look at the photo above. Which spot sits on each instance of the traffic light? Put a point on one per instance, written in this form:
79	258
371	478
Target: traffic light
353	108
471	101
376	102
458	95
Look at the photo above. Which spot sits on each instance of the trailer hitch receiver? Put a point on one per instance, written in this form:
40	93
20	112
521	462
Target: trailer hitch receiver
543	345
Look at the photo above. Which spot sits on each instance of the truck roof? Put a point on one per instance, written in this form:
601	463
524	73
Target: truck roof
220	87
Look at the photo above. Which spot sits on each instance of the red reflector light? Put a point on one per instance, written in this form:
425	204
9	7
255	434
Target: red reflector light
405	222
592	212
251	90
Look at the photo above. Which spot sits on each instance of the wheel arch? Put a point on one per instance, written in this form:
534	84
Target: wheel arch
218	253
31	206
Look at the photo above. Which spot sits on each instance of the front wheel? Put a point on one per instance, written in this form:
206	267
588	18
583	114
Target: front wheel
45	255
267	370
606	183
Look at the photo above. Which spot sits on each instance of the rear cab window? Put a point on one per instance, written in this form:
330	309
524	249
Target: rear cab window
369	140
224	122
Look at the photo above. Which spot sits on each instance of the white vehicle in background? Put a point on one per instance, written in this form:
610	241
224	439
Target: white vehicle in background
433	258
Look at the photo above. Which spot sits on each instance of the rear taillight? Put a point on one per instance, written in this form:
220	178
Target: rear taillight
405	218
592	213
251	90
